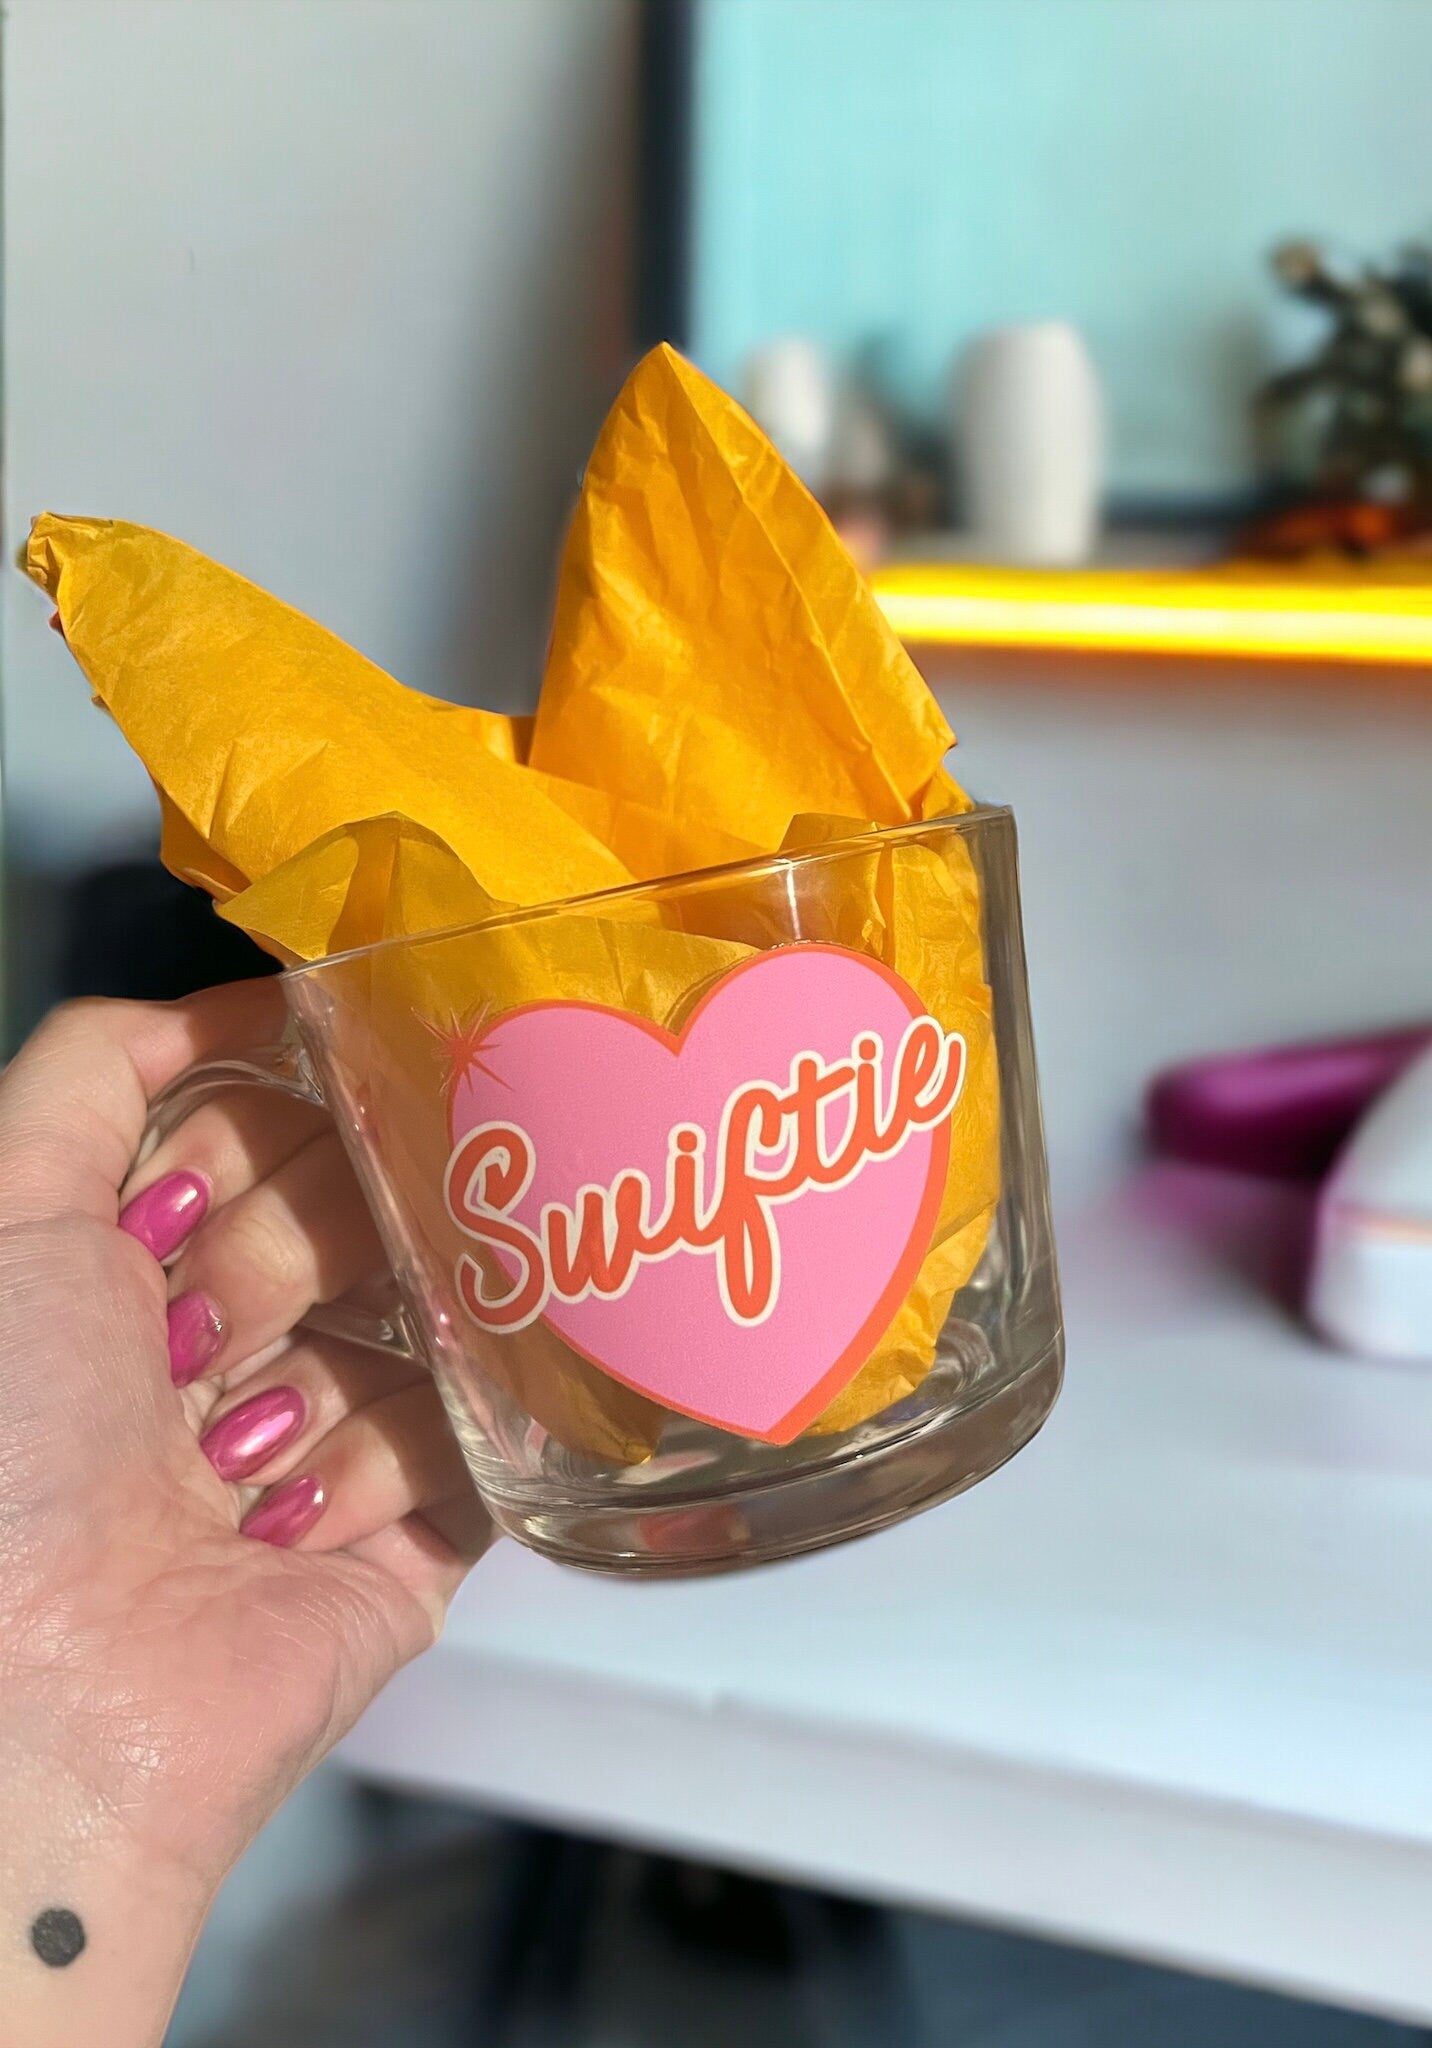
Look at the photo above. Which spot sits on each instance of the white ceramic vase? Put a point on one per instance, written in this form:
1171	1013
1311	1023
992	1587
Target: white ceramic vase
791	392
1029	434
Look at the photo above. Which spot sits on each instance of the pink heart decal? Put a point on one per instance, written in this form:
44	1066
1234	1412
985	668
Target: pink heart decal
724	1217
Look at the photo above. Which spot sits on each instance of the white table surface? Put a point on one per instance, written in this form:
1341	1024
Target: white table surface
1164	1684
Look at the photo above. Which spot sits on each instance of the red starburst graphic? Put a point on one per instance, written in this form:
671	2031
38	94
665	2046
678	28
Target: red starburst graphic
463	1041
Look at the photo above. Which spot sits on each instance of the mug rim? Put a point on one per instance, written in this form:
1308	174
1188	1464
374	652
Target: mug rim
978	814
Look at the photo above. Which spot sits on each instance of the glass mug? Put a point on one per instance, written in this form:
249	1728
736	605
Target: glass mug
716	1206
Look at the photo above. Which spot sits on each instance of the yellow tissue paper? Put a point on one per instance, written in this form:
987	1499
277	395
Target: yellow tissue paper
264	731
716	655
720	685
378	878
918	911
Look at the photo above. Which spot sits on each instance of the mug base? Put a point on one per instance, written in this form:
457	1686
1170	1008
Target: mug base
809	1511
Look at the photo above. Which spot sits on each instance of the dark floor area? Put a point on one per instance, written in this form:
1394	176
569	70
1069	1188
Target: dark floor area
456	1932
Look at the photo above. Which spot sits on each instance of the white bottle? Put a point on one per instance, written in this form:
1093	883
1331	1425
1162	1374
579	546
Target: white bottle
791	392
1029	437
1371	1284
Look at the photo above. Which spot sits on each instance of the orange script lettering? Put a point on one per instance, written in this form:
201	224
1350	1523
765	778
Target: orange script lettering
718	1198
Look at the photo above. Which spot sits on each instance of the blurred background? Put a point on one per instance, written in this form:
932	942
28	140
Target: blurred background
1103	328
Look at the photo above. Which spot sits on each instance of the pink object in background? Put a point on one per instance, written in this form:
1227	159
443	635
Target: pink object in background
1283	1111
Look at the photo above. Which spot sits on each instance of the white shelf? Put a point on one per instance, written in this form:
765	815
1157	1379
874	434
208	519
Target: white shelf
1163	1684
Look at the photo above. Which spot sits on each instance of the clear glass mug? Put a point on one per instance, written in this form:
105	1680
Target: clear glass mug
717	1206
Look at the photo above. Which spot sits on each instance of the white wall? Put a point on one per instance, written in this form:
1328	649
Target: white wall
334	289
1214	855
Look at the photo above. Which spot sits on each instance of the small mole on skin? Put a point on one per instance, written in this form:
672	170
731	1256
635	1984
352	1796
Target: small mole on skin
57	1935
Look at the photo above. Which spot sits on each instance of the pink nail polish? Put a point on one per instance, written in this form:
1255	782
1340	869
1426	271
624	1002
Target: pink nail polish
244	1440
163	1216
196	1330
289	1512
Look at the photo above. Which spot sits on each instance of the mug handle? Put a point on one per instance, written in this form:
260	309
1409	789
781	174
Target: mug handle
283	1069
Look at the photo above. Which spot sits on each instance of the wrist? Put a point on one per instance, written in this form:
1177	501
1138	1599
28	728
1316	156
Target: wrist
96	1924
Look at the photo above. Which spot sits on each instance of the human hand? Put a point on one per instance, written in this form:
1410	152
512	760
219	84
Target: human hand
200	1586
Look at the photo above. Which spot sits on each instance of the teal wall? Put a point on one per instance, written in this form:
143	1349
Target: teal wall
914	170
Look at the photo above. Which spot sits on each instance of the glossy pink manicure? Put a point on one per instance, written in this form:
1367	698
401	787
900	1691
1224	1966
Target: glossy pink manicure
244	1440
163	1216
196	1330
289	1512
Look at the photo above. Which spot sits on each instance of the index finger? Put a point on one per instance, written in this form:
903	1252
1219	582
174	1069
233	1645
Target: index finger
74	1100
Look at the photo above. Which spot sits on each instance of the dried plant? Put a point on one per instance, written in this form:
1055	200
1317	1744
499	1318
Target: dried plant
1363	405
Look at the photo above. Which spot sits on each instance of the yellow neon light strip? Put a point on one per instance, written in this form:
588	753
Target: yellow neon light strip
1341	613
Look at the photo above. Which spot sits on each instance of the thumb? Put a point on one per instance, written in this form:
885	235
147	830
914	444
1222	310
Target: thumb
383	1602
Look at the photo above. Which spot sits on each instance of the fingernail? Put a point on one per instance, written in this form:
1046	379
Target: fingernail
196	1330
244	1440
287	1513
163	1216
